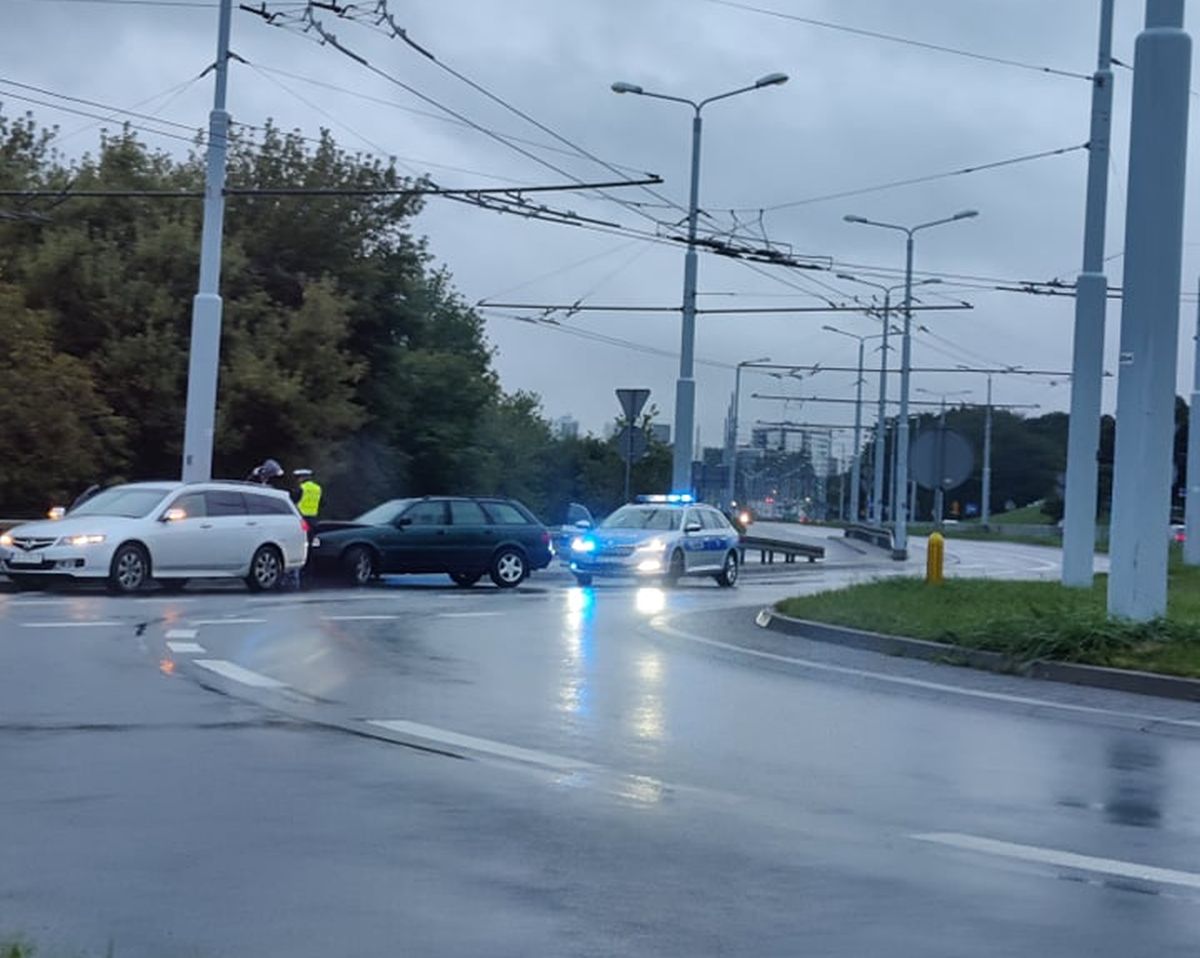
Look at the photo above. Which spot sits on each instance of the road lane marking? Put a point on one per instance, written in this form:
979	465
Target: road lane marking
181	633
359	618
661	626
94	624
484	745
467	615
231	670
186	648
1064	859
226	621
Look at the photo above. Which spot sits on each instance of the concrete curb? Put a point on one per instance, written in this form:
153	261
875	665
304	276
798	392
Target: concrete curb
1117	680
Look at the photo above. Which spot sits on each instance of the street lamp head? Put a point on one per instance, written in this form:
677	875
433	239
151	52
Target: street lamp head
830	329
928	282
966	214
753	362
771	79
851	218
622	87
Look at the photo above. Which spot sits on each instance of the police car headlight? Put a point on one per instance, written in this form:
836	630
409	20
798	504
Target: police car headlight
582	544
653	545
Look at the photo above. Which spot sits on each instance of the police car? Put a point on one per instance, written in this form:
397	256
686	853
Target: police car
664	537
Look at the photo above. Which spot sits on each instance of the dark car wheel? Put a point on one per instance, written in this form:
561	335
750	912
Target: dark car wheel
509	568
359	563
676	569
583	579
130	569
466	579
266	570
728	575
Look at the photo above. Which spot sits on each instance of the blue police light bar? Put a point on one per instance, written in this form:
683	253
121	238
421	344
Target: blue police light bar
672	498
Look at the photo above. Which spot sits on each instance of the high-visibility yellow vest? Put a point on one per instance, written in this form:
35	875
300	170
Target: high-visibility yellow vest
310	498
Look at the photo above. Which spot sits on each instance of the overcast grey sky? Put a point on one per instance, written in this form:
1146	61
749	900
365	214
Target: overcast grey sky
857	112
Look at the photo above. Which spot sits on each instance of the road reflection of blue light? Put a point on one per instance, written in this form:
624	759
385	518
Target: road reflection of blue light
578	651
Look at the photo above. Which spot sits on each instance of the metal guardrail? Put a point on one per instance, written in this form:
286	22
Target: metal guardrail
788	548
873	535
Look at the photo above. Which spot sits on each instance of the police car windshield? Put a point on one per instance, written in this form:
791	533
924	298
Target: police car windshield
383	513
658	518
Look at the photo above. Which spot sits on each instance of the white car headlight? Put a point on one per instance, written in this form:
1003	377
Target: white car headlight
6	539
581	544
81	540
652	545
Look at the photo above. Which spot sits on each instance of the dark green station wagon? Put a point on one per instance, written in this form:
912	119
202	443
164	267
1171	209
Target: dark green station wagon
462	537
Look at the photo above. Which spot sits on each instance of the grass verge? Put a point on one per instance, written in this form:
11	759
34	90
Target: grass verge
1025	620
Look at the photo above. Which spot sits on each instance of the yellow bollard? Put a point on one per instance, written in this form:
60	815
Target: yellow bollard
935	558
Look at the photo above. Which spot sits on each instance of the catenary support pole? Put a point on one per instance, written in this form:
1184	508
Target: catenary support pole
1137	584
1191	518
205	355
1087	366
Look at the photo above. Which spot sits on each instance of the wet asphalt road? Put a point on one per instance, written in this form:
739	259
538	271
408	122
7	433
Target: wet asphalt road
417	769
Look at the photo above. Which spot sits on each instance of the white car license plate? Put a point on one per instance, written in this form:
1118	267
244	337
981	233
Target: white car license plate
20	558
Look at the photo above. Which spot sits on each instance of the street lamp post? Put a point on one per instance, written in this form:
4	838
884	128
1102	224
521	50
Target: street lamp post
900	537
880	458
856	462
732	436
985	507
685	386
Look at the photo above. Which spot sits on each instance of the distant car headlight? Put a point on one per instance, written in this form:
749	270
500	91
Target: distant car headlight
81	540
6	539
583	544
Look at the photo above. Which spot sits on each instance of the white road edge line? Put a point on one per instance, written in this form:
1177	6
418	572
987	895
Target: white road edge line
467	615
72	625
1064	859
186	648
231	670
484	745
359	618
181	633
660	625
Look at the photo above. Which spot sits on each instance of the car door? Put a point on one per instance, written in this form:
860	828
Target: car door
422	538
717	538
472	537
182	534
693	540
233	541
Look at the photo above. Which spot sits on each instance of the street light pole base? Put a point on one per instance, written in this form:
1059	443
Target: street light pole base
900	555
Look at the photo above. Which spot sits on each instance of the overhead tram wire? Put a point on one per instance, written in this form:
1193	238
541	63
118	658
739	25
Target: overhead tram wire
906	41
328	39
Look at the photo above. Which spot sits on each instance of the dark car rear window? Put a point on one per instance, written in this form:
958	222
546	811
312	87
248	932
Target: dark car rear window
260	505
506	514
220	502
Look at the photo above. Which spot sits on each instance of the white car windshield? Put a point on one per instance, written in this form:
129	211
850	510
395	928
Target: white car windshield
383	513
644	517
131	502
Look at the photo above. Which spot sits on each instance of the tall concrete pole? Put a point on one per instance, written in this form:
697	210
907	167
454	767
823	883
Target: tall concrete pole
880	458
900	536
856	469
685	386
1191	518
1091	300
1137	584
986	493
204	358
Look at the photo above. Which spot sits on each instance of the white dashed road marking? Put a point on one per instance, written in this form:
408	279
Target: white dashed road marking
1054	856
72	625
186	648
231	670
359	618
467	615
181	633
484	745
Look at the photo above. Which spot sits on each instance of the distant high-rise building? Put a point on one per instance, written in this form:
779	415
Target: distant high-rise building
566	427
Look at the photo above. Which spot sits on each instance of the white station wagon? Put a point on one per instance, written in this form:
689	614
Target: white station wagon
168	532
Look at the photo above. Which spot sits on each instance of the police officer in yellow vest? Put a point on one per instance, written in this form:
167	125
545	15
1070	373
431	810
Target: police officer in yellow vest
307	495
